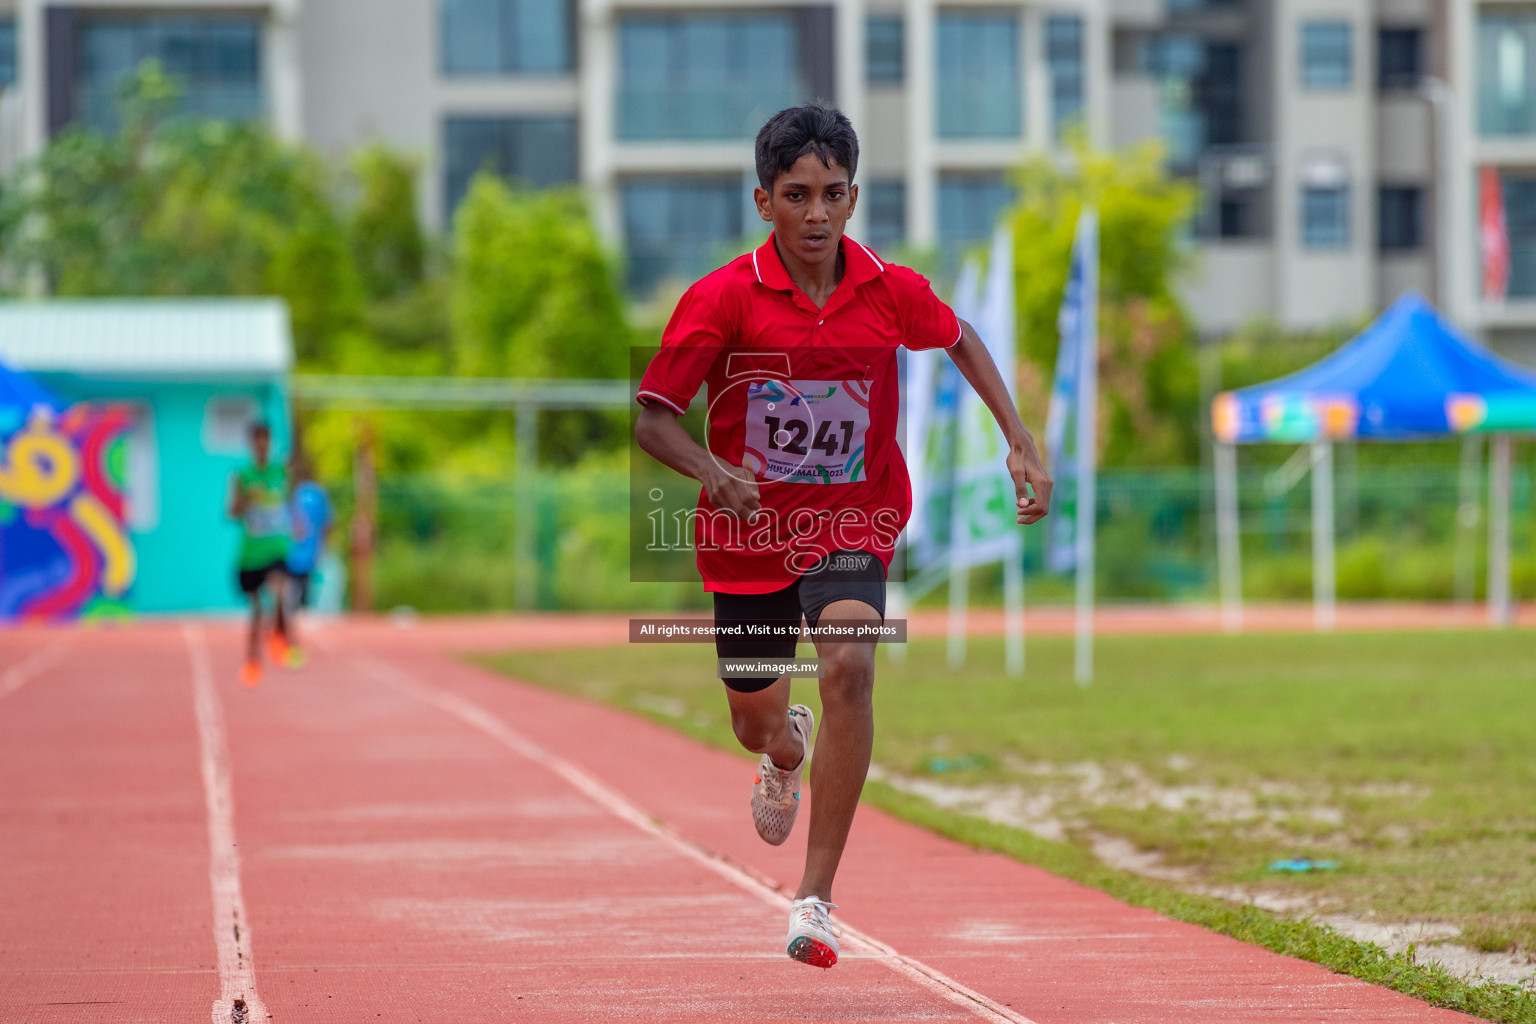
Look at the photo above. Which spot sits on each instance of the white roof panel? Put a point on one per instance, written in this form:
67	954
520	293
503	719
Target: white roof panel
155	337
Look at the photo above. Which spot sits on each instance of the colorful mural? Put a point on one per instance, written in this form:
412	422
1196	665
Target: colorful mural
64	549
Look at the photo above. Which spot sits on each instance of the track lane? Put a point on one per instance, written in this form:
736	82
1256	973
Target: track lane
1044	947
402	863
102	832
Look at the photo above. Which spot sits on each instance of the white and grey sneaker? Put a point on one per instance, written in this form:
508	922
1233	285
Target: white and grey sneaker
775	790
812	935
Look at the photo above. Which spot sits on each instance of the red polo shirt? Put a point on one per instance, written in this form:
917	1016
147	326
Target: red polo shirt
807	398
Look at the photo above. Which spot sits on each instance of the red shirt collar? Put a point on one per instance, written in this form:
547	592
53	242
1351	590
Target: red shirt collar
859	265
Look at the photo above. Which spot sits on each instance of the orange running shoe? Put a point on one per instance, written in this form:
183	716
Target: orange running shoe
277	649
250	674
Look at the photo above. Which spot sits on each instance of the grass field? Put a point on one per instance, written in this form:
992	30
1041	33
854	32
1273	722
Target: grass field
1407	758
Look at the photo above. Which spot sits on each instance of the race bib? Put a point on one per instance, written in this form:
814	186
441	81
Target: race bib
266	520
807	431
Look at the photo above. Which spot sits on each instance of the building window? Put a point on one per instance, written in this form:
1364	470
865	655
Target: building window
1199	94
505	37
1401	217
980	82
679	228
1506	91
215	60
969	208
1326	58
885	54
7	53
533	152
1325	217
1520	219
885	206
1064	55
1399	58
707	76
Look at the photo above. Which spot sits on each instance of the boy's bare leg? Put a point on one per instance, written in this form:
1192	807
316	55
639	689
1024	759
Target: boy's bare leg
253	637
279	581
761	723
843	746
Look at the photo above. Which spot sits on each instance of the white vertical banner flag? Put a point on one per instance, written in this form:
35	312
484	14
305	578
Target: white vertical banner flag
967	301
986	517
1071	431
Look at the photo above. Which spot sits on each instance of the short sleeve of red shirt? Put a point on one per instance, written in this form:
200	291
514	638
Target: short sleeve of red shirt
928	320
689	347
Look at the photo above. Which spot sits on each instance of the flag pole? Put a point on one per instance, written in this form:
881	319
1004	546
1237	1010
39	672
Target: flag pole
1013	607
1087	445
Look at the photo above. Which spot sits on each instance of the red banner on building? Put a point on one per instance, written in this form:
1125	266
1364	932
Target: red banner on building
1493	232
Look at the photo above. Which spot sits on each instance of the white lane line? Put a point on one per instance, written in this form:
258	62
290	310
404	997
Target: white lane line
30	668
238	1002
620	806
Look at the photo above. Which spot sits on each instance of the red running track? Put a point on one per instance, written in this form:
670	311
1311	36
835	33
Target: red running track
418	840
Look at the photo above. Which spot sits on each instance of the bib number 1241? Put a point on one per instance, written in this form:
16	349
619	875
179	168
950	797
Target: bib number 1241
807	431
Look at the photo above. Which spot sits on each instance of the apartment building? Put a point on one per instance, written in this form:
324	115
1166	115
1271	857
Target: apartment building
1338	143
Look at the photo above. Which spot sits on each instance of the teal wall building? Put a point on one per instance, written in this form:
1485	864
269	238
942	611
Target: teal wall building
196	372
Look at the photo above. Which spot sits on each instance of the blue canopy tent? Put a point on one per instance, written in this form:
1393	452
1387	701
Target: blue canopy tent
1409	376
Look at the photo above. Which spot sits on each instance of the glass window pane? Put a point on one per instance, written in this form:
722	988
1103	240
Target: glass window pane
705	76
1064	54
502	37
969	208
885	55
1326	59
535	152
1399	55
542	31
215	60
884	201
471	33
7	53
1506	89
678	228
980	83
1325	218
1400	217
1520	219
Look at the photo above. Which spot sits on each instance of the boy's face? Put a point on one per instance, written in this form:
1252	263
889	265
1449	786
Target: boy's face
809	208
261	445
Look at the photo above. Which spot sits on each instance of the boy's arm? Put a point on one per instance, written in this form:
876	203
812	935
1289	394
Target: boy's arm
975	363
731	488
236	498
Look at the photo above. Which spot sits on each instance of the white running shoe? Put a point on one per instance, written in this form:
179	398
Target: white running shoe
812	935
776	791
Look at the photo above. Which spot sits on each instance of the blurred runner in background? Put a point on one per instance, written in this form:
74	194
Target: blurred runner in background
259	500
311	517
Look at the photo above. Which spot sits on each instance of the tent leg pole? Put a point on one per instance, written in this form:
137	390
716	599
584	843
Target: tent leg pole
1498	533
1228	551
1468	511
1323	583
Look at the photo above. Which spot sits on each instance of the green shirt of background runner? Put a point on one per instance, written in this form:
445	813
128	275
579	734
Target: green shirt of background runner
264	524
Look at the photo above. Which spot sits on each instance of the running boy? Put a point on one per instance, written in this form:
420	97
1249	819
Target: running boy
311	521
804	489
259	500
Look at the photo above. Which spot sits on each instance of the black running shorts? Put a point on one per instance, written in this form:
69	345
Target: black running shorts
844	575
251	580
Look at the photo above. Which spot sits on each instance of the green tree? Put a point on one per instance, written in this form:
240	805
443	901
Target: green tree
387	241
176	206
1150	390
534	293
